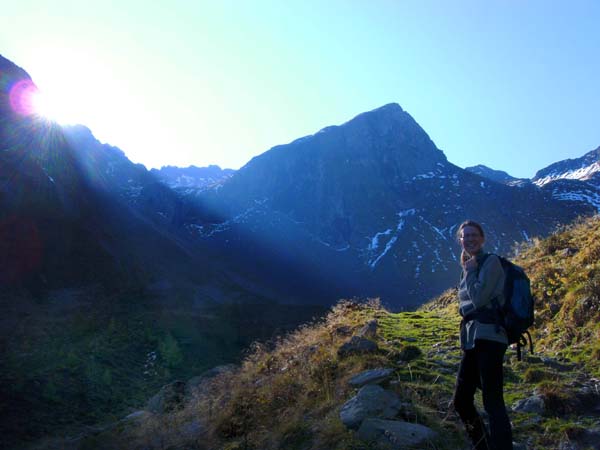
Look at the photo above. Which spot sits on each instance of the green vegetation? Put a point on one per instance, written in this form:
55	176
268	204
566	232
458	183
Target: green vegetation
287	393
65	371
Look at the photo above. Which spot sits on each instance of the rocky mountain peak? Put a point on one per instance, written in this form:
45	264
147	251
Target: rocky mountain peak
192	177
582	168
10	72
496	175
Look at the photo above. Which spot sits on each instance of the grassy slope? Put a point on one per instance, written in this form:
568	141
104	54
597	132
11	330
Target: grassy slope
288	395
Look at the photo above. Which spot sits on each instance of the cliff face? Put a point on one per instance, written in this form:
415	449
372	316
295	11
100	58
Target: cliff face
322	386
374	205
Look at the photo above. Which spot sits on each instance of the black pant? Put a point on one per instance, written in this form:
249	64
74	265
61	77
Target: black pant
482	367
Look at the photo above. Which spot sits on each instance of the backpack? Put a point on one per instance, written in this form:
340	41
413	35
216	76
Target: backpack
516	316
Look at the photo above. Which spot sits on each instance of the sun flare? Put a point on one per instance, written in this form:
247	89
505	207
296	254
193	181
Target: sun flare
51	108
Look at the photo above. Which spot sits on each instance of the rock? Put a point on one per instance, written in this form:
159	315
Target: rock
586	440
192	430
370	377
194	384
369	330
137	416
557	365
370	401
343	330
357	345
518	446
395	434
588	397
569	251
170	397
534	404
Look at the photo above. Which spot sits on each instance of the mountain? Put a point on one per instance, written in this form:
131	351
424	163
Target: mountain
372	207
369	208
104	296
495	175
304	392
573	180
192	177
582	169
113	283
76	212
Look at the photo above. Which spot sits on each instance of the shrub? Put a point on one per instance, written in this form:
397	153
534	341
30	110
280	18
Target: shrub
170	351
557	402
535	375
409	353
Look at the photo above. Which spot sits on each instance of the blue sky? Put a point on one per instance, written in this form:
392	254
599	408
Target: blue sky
510	84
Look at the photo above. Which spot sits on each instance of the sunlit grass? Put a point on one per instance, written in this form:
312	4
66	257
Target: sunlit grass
288	393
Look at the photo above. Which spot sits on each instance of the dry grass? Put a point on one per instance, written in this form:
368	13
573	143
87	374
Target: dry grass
287	393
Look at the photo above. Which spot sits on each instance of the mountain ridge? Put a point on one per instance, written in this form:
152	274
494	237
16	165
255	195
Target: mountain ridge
301	391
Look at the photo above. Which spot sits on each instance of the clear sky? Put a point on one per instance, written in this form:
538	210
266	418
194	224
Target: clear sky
511	84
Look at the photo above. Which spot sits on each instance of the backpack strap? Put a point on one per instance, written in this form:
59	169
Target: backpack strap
498	318
523	343
482	261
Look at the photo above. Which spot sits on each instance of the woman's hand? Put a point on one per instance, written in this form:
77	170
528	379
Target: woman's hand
471	263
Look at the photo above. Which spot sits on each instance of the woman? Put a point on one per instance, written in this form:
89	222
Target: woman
483	342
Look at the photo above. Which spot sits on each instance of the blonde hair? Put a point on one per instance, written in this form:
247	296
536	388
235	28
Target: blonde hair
467	223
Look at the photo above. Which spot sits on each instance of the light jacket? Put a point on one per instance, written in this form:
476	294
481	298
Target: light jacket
478	287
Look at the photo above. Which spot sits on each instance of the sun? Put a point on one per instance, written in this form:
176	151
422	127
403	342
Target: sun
27	100
51	108
72	85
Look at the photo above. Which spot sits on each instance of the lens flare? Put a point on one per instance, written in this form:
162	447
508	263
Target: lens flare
22	95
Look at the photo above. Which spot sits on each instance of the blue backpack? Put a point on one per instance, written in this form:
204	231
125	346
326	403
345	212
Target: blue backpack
516	316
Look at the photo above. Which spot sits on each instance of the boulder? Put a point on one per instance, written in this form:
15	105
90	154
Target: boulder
357	345
534	404
137	416
395	434
343	330
557	365
369	330
193	430
569	251
194	384
170	397
374	376
586	440
588	397
370	401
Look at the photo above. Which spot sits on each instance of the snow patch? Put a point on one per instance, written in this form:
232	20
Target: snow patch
590	197
374	244
375	239
424	176
583	173
388	246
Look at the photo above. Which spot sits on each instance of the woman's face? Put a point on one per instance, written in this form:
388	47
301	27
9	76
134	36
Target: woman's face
471	240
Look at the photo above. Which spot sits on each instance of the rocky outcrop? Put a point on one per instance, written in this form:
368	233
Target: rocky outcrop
357	345
534	404
369	330
395	434
195	384
371	401
374	376
170	398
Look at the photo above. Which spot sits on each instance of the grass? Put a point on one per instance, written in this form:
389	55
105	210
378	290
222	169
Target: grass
287	393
